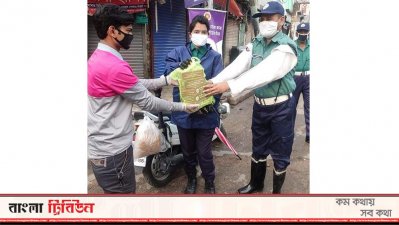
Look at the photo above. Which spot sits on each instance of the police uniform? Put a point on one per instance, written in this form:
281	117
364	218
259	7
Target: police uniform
269	69
196	130
272	123
302	78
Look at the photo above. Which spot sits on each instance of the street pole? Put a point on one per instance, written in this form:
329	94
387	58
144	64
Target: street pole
225	29
210	4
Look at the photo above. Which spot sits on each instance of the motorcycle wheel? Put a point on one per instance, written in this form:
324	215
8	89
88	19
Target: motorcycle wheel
155	171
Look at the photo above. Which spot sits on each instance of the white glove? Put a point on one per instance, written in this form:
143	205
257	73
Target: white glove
172	82
191	108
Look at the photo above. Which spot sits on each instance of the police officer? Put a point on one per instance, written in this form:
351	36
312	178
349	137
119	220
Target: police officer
196	130
269	66
302	72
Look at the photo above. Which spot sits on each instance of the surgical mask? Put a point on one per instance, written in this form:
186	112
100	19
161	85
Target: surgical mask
126	41
268	28
302	37
199	39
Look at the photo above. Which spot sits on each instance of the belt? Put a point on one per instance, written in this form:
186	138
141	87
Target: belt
103	161
271	101
204	110
303	73
99	162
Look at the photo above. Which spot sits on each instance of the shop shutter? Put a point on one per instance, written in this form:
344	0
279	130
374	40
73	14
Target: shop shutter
171	31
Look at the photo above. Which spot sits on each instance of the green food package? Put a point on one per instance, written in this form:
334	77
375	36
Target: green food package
191	83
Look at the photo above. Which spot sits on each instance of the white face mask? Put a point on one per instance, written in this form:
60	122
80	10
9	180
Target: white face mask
268	28
199	39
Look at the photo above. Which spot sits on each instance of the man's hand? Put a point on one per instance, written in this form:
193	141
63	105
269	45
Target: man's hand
191	108
214	89
171	81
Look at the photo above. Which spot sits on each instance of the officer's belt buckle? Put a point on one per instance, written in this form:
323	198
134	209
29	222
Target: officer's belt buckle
271	101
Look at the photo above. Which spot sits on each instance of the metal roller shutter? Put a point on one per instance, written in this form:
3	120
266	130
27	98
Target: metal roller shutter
171	31
134	56
92	39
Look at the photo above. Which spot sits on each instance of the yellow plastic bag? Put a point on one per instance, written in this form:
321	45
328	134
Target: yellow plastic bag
191	83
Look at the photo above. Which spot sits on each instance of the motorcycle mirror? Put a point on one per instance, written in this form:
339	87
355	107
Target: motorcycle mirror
227	107
224	108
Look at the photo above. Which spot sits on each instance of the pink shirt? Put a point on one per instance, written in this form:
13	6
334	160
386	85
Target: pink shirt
110	128
108	75
112	91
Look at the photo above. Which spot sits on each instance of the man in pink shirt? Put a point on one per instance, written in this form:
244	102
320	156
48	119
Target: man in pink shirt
112	90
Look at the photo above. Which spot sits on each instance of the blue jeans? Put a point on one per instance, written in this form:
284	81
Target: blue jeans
115	174
302	86
273	132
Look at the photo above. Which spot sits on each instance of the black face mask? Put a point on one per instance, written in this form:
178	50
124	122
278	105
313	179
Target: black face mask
126	41
302	37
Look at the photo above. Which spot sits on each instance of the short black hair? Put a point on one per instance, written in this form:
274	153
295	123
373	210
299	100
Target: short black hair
199	19
110	15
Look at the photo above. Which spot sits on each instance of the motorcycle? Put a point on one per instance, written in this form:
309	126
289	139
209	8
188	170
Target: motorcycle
158	169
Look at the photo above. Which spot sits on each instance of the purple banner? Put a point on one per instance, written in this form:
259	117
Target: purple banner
216	21
190	3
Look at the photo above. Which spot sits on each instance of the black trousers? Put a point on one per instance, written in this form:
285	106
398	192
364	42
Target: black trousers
196	148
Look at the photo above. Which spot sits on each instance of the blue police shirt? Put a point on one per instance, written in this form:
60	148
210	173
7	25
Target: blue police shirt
213	65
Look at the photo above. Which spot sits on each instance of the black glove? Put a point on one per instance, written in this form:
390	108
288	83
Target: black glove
205	110
183	65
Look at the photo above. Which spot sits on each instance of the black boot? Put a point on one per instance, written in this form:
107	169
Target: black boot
278	181
209	187
258	172
191	185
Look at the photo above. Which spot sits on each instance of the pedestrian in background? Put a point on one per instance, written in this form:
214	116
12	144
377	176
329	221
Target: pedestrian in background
302	72
268	66
112	90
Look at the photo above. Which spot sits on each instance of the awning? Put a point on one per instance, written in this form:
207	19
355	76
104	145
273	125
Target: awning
233	7
132	6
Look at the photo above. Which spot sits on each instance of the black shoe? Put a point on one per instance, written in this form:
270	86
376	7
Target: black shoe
191	186
258	172
250	188
278	181
209	187
307	139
